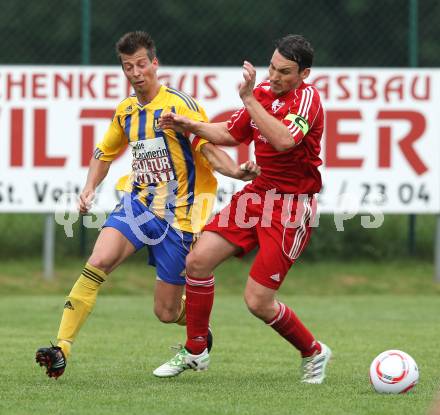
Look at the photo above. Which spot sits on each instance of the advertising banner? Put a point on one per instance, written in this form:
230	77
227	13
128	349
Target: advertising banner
380	149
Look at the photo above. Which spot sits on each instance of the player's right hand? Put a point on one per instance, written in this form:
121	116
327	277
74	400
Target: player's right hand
85	200
247	86
248	171
175	122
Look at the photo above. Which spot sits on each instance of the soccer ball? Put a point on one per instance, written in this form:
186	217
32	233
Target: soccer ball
393	371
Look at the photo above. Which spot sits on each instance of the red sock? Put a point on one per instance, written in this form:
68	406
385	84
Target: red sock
289	326
199	301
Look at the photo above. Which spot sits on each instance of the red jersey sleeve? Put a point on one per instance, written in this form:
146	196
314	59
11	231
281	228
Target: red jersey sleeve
302	113
239	126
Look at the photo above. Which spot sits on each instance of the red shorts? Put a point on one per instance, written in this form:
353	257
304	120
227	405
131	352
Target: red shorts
278	224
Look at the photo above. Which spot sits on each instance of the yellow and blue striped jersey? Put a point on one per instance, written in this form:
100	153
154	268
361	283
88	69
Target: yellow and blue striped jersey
169	173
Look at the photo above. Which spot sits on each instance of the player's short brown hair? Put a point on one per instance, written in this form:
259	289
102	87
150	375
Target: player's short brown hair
133	41
296	48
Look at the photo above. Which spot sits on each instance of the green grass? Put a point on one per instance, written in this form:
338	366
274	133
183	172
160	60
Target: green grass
305	278
253	371
360	309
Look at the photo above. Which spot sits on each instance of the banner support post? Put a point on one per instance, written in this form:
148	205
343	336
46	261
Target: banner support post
49	246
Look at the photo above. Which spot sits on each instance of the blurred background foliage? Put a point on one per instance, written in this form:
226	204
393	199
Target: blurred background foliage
21	235
222	32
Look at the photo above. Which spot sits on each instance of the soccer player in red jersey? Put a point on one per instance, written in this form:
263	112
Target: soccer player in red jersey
284	118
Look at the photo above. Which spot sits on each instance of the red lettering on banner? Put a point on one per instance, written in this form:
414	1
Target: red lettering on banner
110	85
418	124
195	84
211	88
59	81
180	83
425	95
11	83
87	144
16	155
223	116
192	85
394	85
88	132
367	87
374	87
340	80
85	85
334	138
165	79
41	159
384	147
39	83
195	91
321	83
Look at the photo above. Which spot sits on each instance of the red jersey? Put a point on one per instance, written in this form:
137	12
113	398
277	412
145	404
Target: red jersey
294	171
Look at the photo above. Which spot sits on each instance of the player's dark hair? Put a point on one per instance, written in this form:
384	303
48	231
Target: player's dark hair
296	48
133	41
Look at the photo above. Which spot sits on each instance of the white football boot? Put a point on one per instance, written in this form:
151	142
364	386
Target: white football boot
313	367
182	361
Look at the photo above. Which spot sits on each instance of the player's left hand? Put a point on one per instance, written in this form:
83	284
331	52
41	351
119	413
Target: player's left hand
249	76
248	171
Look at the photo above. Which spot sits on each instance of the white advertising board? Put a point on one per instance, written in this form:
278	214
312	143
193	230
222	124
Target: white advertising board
380	149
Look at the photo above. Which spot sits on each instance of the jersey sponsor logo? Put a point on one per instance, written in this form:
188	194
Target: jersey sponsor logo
276	105
260	137
151	161
275	277
299	121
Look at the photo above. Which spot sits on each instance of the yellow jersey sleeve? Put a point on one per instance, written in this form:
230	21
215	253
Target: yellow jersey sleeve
112	143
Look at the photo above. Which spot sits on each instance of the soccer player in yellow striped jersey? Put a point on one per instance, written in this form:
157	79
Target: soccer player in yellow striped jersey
169	172
166	198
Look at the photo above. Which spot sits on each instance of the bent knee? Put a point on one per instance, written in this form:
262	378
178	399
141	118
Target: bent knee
258	307
166	314
101	262
253	305
197	265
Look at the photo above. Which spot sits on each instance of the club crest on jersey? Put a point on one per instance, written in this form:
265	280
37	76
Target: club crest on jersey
156	125
128	109
276	105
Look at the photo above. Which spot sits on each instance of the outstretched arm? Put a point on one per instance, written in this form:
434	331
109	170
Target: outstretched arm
216	133
221	162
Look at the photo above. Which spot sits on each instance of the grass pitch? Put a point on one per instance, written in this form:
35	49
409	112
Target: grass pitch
252	371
